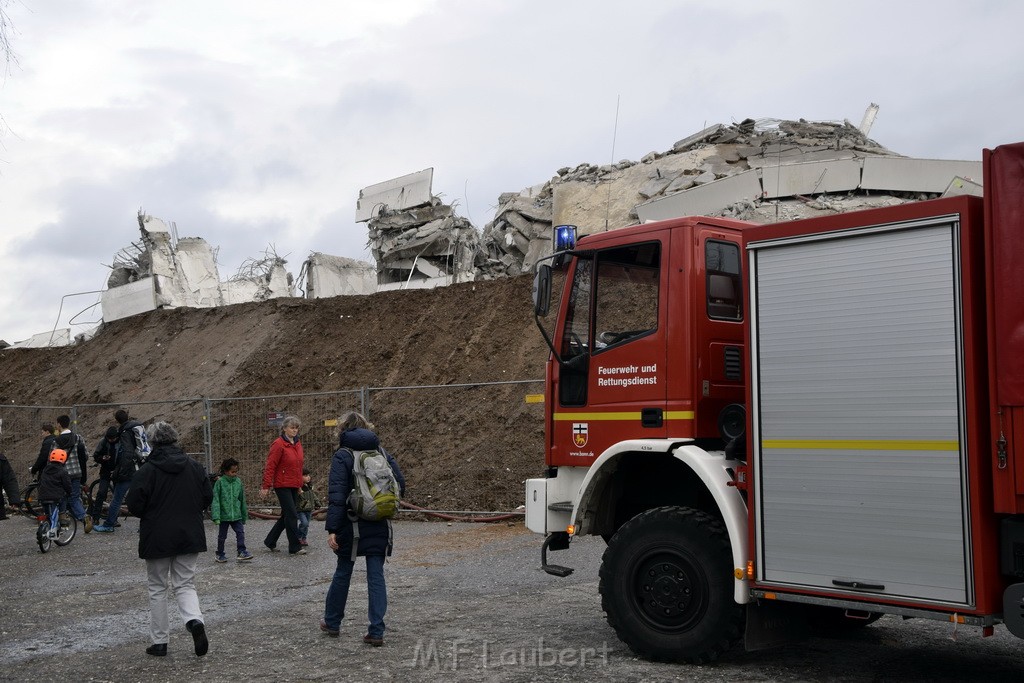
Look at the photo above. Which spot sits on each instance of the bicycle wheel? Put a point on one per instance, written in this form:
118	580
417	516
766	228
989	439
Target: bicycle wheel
28	499
41	538
67	531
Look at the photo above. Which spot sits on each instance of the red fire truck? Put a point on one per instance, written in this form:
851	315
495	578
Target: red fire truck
801	425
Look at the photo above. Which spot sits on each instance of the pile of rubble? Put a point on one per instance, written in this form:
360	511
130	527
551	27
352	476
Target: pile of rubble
763	171
422	246
519	234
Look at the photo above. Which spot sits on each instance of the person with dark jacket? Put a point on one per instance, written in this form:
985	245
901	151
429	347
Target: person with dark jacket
105	456
168	495
8	484
49	443
78	458
283	473
124	468
54	482
374	538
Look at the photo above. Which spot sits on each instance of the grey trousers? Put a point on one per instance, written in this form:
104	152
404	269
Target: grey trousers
177	574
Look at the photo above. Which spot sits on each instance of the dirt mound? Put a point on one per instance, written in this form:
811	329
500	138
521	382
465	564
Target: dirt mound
460	447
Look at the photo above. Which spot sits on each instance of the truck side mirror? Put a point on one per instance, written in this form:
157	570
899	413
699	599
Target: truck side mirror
542	290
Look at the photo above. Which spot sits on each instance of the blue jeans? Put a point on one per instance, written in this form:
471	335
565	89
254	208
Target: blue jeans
222	535
120	491
337	594
304	518
74	500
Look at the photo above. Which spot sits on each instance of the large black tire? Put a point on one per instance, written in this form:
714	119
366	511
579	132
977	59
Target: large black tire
667	586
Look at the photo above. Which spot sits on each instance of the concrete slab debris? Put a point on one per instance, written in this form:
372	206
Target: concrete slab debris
963	186
327	276
915	175
704	199
129	299
816	177
397	194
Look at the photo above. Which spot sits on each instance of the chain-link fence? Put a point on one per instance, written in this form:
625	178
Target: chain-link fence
21	434
422	425
244	428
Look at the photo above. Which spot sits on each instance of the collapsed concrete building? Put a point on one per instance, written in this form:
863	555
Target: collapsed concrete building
416	240
164	271
763	171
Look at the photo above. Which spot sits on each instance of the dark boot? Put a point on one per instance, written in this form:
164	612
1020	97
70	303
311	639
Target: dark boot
157	650
198	631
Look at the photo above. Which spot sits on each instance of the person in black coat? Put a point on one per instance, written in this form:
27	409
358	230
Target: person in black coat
49	443
125	465
105	456
8	484
375	538
54	482
168	495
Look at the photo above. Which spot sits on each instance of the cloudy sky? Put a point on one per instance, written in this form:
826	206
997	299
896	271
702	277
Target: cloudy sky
256	123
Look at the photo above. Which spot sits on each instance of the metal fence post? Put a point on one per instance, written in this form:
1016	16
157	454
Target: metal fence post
208	433
364	402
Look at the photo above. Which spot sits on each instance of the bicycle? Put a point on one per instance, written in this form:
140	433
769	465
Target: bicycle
29	502
55	528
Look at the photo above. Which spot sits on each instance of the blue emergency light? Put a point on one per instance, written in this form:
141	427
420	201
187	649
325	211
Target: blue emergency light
565	237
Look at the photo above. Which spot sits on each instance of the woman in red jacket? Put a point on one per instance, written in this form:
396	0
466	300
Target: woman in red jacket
283	473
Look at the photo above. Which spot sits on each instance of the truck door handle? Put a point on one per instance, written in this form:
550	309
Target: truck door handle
859	584
652	417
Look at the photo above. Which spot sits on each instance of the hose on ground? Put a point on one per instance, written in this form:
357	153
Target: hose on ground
482	517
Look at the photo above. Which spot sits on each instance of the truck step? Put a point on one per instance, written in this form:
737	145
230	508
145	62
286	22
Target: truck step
563	506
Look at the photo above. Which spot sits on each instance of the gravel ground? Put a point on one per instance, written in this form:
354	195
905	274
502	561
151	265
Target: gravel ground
468	602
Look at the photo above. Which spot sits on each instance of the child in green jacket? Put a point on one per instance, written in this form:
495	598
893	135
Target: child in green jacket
229	510
308	504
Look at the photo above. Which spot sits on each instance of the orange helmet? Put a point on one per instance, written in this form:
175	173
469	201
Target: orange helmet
58	455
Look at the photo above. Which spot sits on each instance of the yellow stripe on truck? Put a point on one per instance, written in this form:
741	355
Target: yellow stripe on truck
594	417
861	444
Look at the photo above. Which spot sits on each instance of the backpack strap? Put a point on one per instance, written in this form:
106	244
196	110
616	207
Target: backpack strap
355	535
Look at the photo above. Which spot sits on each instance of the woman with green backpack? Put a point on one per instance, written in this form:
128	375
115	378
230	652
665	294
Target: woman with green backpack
363	489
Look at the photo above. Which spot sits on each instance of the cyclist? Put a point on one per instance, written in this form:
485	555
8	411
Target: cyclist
54	482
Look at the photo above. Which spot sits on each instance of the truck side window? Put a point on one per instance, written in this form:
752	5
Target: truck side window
576	333
576	337
724	289
626	304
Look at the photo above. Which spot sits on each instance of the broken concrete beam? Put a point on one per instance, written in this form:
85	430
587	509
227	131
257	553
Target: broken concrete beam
900	174
688	142
654	187
702	200
401	220
816	177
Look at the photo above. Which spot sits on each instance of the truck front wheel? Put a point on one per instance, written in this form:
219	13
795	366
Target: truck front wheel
667	586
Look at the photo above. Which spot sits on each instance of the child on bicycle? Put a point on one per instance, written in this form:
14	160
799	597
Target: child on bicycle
307	505
54	481
229	510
